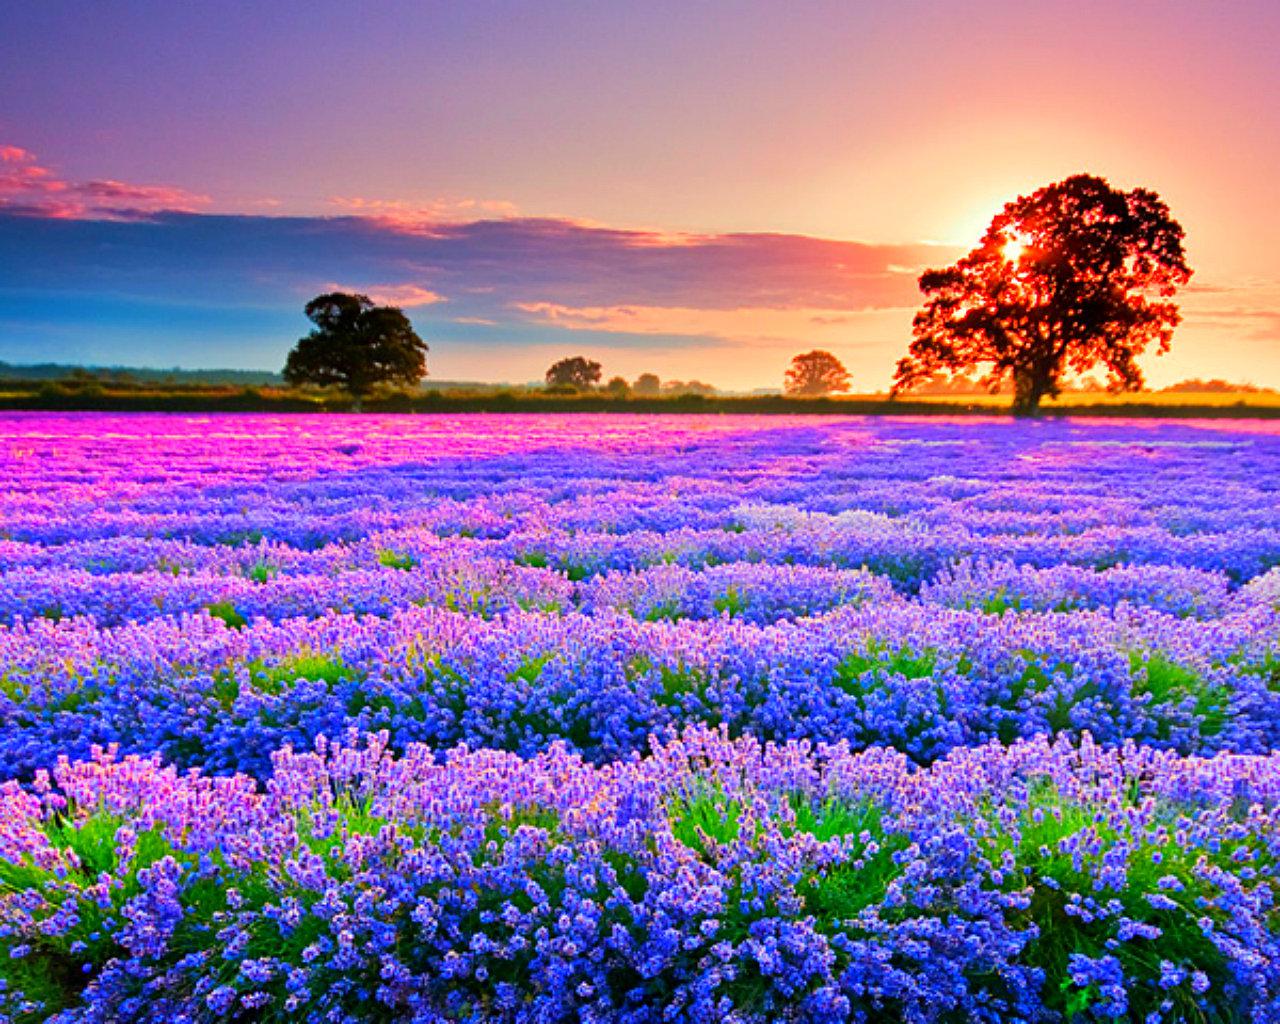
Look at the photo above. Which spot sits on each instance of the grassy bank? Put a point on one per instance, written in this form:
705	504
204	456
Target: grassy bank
16	395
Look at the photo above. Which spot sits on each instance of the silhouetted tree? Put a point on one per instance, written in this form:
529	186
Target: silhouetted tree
574	372
1072	276
688	387
618	387
816	373
1215	386
647	384
356	346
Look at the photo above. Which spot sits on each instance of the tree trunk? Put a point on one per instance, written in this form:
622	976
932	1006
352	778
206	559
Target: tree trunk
1028	388
357	402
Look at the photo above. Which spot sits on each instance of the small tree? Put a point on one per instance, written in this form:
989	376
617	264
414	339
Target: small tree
356	346
816	373
618	387
1073	276
690	387
575	372
647	384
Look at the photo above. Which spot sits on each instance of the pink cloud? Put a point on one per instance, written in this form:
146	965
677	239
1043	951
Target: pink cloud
29	188
416	216
406	296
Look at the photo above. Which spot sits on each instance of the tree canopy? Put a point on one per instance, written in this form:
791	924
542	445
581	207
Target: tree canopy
356	346
816	373
647	384
1073	276
574	372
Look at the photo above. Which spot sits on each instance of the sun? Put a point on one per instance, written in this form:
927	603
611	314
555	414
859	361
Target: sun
1013	249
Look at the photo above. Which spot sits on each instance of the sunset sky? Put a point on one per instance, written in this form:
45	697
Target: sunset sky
699	189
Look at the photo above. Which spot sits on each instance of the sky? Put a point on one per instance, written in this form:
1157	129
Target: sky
699	188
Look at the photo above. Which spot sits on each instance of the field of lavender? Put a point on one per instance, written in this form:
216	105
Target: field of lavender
638	719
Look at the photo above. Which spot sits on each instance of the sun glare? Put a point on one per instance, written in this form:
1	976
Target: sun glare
1013	249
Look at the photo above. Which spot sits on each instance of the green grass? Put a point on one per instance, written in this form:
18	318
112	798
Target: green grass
393	560
227	612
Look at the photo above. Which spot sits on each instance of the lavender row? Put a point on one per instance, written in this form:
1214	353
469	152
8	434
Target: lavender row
712	880
902	549
756	592
920	678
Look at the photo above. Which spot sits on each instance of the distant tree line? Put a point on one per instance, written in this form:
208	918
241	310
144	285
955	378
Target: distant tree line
577	374
1074	277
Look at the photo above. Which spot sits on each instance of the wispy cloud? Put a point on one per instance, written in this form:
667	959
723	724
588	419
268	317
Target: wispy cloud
743	328
421	216
407	296
28	188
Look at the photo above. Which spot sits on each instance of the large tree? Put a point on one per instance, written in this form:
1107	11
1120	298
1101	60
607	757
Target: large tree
816	373
574	372
356	346
1073	276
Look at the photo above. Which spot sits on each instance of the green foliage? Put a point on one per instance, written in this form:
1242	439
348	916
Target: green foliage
665	611
393	560
261	571
501	822
878	662
1040	829
274	678
57	967
999	603
706	819
730	602
677	682
1166	682
227	612
240	538
530	669
1036	678
535	604
838	893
